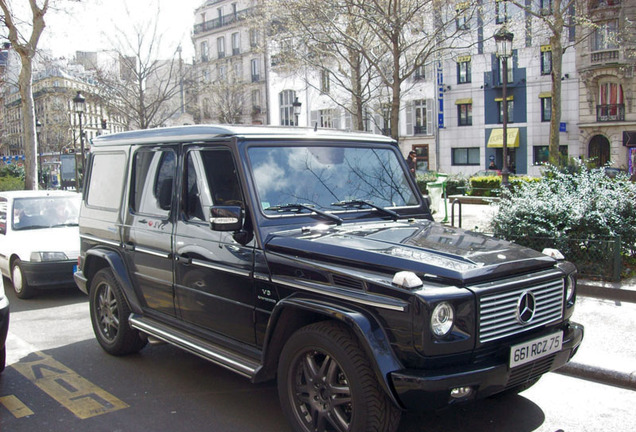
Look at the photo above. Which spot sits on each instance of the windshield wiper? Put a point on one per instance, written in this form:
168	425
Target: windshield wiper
298	207
361	203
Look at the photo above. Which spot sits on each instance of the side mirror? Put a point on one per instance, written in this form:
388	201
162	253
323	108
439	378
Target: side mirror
226	218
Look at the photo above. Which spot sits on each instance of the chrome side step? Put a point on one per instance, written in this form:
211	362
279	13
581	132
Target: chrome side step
221	356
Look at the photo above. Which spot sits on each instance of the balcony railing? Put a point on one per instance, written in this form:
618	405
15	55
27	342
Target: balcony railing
419	130
610	113
225	20
605	56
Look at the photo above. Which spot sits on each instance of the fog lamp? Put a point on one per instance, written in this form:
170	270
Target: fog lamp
461	392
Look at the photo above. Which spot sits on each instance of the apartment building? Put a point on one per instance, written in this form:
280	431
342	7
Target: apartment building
230	65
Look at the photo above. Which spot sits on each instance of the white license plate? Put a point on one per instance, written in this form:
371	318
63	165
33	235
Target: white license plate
535	349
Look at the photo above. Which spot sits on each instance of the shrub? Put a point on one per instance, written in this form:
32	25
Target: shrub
485	186
583	204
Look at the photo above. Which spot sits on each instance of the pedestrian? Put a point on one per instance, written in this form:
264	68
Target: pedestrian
492	166
411	161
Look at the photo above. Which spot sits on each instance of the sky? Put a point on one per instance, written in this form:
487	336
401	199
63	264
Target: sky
92	25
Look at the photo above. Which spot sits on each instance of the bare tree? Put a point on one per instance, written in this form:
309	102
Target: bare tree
26	48
144	90
386	41
557	18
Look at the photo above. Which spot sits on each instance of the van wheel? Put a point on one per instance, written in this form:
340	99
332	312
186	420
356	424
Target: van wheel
325	383
20	284
109	315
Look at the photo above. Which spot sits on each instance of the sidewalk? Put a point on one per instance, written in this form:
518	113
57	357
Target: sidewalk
606	309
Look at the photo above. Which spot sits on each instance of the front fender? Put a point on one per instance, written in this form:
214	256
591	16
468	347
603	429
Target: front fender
98	258
293	313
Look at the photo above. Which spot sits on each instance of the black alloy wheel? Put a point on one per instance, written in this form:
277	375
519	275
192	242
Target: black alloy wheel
325	383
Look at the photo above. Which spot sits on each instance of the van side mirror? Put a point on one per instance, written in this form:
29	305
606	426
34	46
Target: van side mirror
226	218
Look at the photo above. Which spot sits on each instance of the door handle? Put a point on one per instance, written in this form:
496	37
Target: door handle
129	246
184	260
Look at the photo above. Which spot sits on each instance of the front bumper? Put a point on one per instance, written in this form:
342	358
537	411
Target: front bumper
49	274
430	389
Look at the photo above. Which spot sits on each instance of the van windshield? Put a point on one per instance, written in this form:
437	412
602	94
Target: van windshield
329	177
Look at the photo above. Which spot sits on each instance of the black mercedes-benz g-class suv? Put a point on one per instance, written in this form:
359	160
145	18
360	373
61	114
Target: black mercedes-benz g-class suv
310	257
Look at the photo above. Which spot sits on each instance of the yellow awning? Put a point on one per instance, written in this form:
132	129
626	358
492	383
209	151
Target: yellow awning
496	138
545	95
511	97
465	101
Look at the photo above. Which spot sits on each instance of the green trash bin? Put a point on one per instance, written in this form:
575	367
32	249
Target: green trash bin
437	193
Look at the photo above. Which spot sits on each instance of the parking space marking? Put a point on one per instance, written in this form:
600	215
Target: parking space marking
75	393
15	406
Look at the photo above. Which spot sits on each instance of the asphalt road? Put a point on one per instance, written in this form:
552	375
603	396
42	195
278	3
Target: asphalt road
59	379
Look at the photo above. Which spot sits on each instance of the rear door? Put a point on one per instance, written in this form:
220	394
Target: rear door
148	226
213	272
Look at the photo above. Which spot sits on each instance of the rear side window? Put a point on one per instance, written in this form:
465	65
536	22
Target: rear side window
108	172
153	181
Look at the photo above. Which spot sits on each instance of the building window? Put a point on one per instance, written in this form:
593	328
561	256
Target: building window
511	105
501	11
220	47
204	51
463	70
420	118
461	17
545	7
465	156
285	100
222	73
238	71
253	38
611	105
465	114
328	118
421	154
605	36
256	70
324	81
256	102
546	109
546	60
236	44
541	154
420	73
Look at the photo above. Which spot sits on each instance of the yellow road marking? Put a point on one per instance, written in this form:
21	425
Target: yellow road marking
15	406
77	394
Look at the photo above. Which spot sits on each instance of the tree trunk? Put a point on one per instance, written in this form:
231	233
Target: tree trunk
555	121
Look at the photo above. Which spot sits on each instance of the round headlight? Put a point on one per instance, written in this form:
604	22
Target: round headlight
442	319
570	287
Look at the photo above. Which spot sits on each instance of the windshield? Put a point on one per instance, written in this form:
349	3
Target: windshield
325	177
45	212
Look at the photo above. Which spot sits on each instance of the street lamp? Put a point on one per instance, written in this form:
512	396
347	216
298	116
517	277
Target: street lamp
503	39
296	104
79	103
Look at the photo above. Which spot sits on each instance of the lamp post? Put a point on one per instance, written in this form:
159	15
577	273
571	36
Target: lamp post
503	39
296	105
38	129
79	103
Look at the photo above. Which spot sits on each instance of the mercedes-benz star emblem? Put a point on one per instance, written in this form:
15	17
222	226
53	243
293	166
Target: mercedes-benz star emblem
526	307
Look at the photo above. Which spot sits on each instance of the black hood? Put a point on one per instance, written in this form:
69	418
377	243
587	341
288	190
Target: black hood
425	247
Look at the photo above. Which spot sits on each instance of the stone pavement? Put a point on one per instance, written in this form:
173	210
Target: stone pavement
607	310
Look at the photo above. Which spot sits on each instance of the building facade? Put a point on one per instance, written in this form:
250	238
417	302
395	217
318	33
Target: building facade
230	63
606	58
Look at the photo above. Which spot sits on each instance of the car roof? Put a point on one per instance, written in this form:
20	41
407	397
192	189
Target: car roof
36	193
194	133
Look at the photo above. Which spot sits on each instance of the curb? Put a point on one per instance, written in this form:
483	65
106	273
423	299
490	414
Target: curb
598	374
614	292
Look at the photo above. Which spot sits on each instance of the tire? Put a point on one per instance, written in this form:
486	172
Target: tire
20	284
109	316
325	383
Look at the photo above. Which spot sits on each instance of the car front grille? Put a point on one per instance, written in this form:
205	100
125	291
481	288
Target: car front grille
498	312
